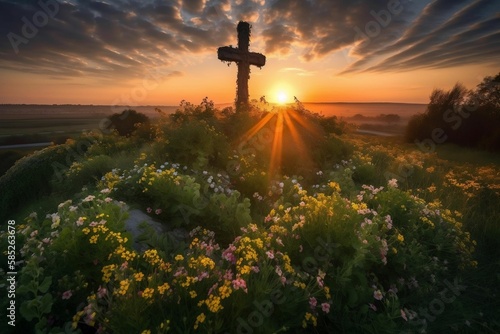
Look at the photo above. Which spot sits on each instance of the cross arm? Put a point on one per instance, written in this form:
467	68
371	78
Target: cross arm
227	53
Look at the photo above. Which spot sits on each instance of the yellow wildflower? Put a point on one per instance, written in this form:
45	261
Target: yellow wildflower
138	276
124	287
401	238
224	291
147	293
199	320
162	288
93	239
213	304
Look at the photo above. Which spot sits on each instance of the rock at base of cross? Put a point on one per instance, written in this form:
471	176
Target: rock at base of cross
138	221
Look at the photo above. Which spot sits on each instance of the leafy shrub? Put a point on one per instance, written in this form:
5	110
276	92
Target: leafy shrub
320	262
49	293
30	177
461	117
197	144
127	121
83	173
8	159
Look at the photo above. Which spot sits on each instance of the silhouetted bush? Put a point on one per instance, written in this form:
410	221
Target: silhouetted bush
8	159
127	121
30	178
467	118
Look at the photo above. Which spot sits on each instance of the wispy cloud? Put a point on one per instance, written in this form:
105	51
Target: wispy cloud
124	39
298	71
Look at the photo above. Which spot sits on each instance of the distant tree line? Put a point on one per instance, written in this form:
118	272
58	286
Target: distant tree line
460	116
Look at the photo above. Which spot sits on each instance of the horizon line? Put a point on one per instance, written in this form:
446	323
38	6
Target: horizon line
177	105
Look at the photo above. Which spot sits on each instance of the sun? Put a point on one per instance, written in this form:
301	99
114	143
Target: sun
282	97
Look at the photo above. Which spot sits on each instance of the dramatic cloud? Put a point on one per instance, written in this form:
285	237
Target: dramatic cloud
126	39
446	33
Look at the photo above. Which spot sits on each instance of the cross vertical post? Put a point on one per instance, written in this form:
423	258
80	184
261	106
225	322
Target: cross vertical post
244	58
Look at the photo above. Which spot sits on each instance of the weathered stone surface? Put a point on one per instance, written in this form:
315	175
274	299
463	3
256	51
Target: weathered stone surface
136	220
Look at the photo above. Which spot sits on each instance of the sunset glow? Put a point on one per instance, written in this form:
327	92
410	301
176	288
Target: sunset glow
282	97
162	55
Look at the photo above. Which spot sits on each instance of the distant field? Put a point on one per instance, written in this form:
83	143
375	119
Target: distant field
23	124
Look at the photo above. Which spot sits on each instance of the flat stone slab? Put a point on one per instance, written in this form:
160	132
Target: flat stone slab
136	220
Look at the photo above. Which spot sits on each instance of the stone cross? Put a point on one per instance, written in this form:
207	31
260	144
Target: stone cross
244	59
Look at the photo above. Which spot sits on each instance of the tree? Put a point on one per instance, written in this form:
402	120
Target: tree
127	121
460	116
487	93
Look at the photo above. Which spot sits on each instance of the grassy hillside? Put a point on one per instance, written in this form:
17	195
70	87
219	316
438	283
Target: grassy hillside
294	225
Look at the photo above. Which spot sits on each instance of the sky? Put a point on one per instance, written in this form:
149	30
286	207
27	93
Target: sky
158	52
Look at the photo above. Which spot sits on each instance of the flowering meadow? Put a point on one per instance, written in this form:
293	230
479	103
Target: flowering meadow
365	236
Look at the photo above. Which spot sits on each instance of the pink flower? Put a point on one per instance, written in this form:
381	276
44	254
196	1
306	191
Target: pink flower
373	307
393	183
377	294
388	220
149	210
270	254
255	269
124	265
313	302
213	288
278	240
67	294
80	221
228	276
403	315
101	292
158	211
320	282
228	254
325	307
203	275
89	198
240	283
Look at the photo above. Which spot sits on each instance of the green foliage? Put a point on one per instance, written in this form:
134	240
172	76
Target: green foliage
30	177
8	159
198	144
461	117
126	122
185	200
360	240
61	257
187	112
